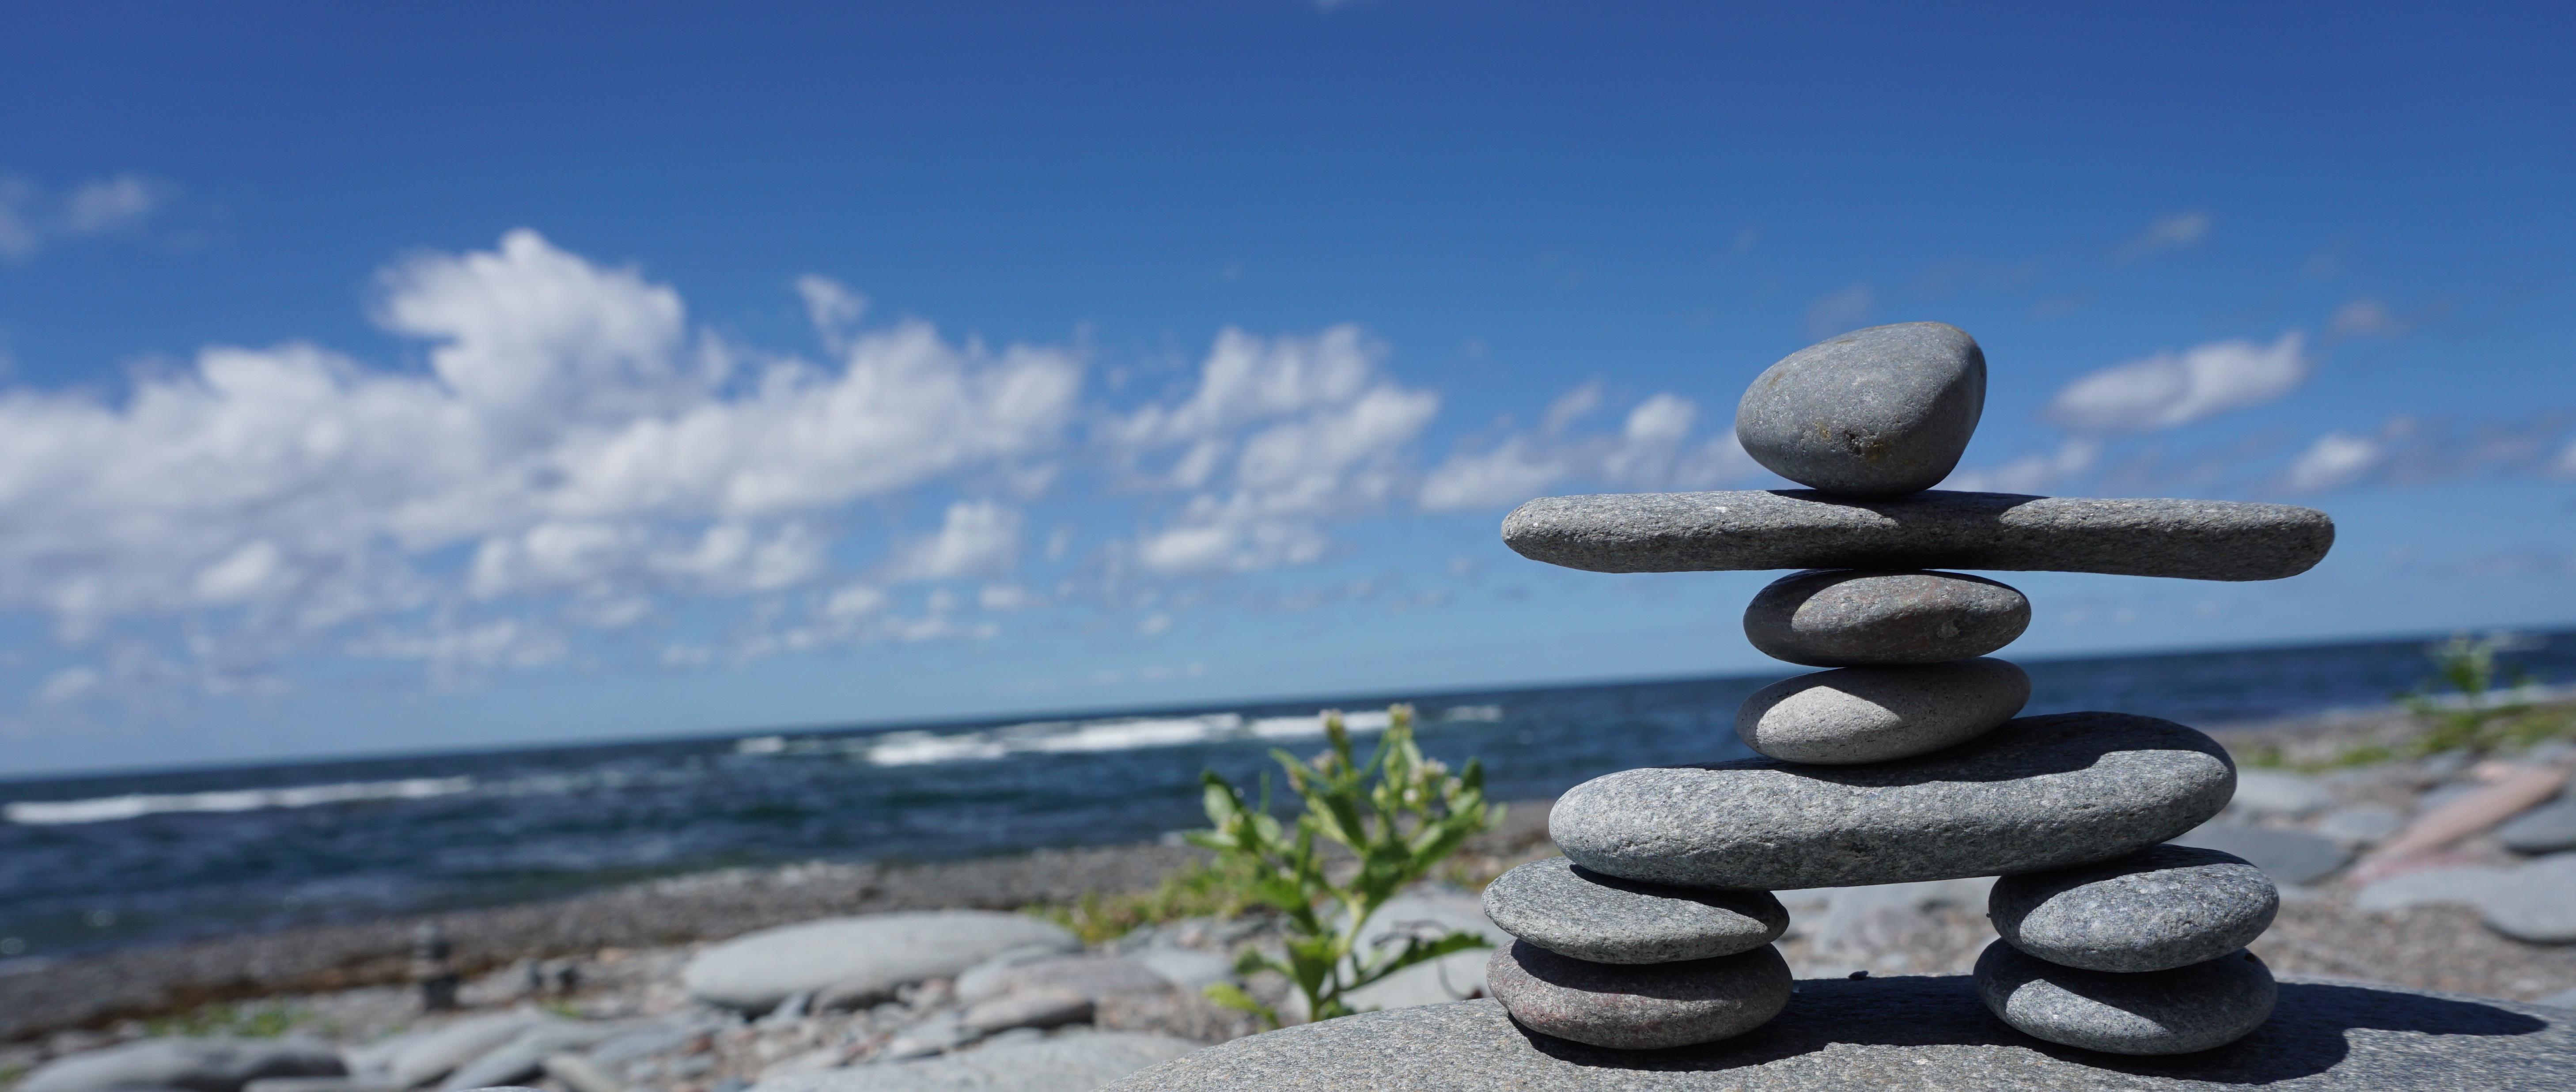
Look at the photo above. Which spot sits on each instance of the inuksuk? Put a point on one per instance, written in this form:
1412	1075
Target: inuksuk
1904	759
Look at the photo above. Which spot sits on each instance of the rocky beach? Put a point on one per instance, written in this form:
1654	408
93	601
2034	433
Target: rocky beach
613	962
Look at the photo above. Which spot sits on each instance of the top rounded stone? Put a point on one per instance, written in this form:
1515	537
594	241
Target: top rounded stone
1874	413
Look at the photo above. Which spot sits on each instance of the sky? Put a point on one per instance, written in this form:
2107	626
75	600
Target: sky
379	378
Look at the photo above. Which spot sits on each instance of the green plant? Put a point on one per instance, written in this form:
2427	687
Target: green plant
1397	816
2474	717
262	1022
1201	890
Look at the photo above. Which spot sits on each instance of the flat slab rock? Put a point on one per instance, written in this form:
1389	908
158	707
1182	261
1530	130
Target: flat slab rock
1909	1033
1604	919
2038	793
1935	529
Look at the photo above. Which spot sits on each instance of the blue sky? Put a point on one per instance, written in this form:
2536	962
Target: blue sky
383	379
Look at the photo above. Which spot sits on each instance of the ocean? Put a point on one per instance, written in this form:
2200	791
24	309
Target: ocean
97	862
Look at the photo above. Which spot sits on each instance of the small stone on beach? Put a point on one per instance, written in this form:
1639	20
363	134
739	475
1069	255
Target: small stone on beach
2165	907
1853	617
1604	919
1854	715
1639	1006
2178	1011
1880	412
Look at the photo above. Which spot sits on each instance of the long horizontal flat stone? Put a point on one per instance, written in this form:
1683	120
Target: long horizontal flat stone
1906	1033
2038	793
1804	529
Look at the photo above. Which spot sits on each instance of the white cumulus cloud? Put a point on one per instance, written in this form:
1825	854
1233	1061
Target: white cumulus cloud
573	437
1278	436
2171	389
2336	459
1652	450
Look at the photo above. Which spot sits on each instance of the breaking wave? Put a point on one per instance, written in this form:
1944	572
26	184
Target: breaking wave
110	808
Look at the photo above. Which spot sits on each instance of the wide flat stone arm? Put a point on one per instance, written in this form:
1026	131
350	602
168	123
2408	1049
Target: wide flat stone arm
1935	529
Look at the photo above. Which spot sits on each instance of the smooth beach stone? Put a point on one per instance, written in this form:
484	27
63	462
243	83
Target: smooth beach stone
2166	907
1907	1032
1574	912
1639	1006
212	1064
2548	828
2178	1011
2536	902
869	953
1880	412
1936	529
2038	793
2290	856
1856	617
1873	714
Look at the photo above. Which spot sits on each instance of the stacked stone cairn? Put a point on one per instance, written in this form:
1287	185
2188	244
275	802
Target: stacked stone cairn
1904	761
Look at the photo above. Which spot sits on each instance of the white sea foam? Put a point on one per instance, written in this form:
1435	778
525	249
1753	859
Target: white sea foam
1071	737
110	808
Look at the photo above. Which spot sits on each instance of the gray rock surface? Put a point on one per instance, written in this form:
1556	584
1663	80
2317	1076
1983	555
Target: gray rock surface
1045	1007
198	1065
1639	1006
1855	617
523	1058
1797	529
2537	902
2465	884
1873	714
2164	907
756	971
2038	793
2290	856
1064	1063
435	1054
1094	977
1909	1033
2180	1011
2361	824
2549	828
2279	792
1880	412
1575	912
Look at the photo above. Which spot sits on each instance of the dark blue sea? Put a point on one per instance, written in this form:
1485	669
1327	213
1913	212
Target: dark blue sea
96	862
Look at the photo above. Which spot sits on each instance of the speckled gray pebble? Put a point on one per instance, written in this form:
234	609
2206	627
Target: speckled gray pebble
1880	412
1908	1032
2180	1011
2038	793
1873	714
1639	1006
1798	529
2155	910
1580	913
1856	617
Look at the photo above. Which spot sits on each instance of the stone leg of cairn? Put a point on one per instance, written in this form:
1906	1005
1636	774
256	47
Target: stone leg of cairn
1905	760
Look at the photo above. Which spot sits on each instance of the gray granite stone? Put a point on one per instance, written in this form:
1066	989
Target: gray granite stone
1873	714
2536	902
1908	1033
1798	529
213	1064
2549	828
1580	913
1854	617
866	954
1061	1063
1637	1006
2361	824
2038	793
2184	1010
2161	908
1880	412
2290	856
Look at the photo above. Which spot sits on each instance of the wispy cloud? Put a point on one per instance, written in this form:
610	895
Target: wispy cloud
1652	450
2171	389
1836	312
32	219
2172	231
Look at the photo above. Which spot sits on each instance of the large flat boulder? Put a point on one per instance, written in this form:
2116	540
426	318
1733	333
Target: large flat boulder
1935	529
1066	1063
756	971
1908	1033
2038	793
